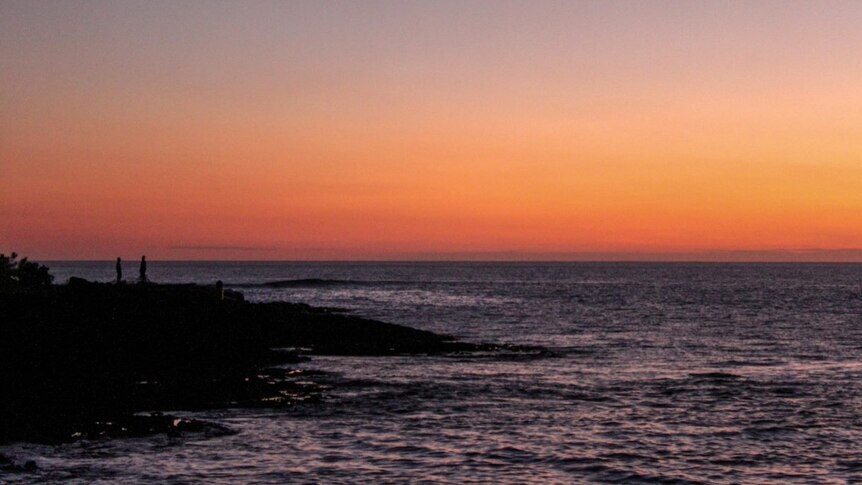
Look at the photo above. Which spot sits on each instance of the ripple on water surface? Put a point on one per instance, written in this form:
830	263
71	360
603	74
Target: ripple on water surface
658	374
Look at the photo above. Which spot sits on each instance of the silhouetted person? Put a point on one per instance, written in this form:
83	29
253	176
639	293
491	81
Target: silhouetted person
143	277
119	270
220	289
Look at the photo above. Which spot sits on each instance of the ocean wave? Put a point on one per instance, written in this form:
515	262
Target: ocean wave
301	283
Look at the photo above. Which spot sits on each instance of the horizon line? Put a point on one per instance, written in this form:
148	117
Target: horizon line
431	261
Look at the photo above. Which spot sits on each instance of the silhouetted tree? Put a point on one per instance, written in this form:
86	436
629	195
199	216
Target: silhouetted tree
22	274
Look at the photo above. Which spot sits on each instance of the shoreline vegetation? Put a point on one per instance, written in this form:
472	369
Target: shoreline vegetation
85	360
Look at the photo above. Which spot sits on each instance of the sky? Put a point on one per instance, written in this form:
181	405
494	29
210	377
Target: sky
404	130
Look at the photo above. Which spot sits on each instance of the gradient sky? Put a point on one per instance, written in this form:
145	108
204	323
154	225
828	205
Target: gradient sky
416	130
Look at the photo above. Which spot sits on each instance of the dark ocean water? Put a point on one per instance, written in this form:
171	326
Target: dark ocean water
660	373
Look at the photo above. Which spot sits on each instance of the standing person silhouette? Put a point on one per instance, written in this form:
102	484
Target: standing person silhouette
143	277
119	270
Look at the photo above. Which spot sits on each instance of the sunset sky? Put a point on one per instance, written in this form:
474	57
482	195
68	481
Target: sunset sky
431	130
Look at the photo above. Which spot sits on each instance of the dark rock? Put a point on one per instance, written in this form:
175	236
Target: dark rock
9	465
75	281
84	353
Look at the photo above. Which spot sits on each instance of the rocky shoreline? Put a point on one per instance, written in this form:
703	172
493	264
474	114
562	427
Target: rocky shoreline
85	360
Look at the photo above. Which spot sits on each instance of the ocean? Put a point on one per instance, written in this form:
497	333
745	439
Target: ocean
656	373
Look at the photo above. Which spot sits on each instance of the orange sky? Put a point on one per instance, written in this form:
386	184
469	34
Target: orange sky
450	130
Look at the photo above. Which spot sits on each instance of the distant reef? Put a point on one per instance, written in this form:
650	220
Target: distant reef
88	359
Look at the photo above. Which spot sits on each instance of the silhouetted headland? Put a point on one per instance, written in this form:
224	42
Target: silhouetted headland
85	359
